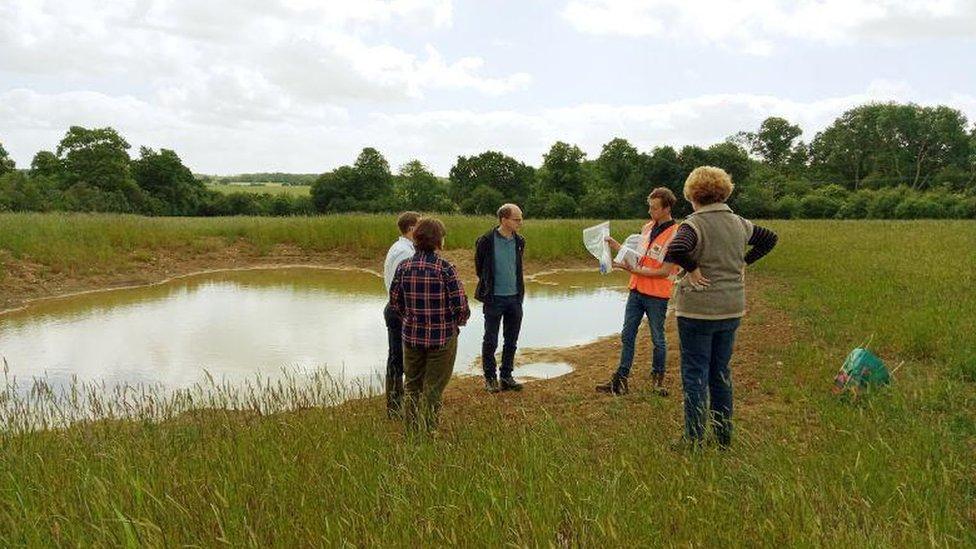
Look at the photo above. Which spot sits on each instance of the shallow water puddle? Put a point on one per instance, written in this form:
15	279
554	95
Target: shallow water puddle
237	325
542	370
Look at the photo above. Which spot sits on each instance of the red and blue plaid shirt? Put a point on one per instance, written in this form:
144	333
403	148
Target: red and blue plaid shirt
429	297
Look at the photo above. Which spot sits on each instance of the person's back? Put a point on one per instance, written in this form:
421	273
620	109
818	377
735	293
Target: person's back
428	295
425	298
709	300
720	252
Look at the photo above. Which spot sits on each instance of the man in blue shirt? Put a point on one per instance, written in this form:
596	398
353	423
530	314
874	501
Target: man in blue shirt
498	262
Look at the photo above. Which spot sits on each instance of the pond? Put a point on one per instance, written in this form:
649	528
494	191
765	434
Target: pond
238	325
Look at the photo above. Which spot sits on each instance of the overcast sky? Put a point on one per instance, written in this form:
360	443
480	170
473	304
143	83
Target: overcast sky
303	85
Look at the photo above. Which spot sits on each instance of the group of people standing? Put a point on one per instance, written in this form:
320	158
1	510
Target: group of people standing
696	268
428	306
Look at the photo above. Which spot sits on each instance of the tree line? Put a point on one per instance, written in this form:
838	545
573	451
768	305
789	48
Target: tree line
880	160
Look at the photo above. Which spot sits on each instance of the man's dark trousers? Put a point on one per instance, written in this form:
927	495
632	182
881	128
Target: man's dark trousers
394	362
504	311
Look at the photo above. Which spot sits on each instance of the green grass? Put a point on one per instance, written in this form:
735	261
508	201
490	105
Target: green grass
910	285
270	188
895	468
84	243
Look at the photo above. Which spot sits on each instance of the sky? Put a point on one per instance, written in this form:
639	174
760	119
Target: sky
302	86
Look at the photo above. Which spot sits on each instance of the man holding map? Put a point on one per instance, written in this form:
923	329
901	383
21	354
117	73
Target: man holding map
650	288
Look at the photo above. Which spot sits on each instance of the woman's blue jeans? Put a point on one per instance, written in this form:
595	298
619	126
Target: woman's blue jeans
706	348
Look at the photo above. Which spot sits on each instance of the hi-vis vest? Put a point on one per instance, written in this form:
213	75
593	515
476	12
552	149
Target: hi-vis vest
653	257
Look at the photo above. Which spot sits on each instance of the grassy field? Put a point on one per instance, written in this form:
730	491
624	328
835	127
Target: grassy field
271	188
894	468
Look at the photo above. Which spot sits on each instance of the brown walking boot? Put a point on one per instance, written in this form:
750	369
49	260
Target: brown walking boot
617	385
659	388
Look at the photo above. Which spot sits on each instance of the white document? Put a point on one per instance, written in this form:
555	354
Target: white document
630	251
595	240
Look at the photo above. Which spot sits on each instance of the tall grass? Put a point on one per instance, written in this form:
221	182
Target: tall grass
911	285
85	242
338	476
37	404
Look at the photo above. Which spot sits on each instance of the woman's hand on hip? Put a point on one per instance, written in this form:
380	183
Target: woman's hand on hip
698	279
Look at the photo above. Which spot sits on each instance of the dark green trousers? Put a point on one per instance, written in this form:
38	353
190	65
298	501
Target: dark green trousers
426	373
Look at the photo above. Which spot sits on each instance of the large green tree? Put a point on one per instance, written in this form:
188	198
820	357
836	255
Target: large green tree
509	177
775	142
417	188
366	186
618	163
98	157
484	200
375	180
96	161
690	157
562	171
45	164
921	141
662	168
842	152
732	158
336	191
621	170
891	144
163	175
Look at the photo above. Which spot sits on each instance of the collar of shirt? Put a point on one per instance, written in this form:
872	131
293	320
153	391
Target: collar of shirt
659	228
716	207
499	234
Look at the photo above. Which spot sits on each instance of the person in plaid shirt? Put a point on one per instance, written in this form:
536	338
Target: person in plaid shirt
429	297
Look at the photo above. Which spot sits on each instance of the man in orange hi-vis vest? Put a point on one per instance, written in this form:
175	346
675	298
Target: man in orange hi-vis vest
650	290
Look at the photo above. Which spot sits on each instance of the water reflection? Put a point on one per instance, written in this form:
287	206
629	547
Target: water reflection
239	324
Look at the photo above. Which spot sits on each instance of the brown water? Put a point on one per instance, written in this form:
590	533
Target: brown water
241	324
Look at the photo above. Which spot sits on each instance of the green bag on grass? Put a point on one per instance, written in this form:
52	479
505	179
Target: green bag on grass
861	370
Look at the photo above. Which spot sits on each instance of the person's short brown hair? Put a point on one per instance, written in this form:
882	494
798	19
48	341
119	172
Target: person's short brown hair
429	234
708	185
407	220
664	194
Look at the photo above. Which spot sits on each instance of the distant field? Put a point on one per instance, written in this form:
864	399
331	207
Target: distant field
270	188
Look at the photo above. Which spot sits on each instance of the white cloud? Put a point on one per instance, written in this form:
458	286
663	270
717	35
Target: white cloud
754	26
462	74
239	59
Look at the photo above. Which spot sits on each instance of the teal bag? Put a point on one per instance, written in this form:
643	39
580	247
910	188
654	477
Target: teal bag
861	369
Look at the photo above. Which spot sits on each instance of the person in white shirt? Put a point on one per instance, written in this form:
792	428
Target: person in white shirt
400	251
